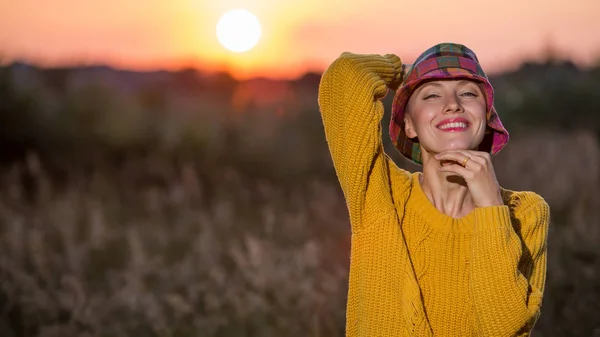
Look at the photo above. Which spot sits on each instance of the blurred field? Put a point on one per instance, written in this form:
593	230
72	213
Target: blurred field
189	204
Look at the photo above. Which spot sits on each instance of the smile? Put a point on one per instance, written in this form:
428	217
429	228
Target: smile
457	124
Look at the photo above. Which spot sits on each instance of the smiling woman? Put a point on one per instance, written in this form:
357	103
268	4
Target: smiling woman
445	251
238	30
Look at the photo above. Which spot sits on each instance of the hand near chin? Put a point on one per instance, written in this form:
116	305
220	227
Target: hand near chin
476	168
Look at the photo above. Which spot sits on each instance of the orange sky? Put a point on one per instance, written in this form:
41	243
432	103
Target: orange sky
297	34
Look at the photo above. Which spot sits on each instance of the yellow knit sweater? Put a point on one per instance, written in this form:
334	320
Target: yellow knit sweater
415	271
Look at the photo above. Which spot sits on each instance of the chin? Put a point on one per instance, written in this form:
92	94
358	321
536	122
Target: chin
457	146
460	143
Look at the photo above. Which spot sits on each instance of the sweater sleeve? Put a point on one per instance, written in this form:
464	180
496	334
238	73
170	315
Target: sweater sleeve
349	99
508	266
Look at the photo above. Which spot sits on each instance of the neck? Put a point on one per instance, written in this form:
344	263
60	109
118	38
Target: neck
447	192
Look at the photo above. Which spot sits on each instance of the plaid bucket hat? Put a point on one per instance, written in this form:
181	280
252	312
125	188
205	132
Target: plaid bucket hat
444	61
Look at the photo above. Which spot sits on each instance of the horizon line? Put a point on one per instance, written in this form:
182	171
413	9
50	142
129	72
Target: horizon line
207	68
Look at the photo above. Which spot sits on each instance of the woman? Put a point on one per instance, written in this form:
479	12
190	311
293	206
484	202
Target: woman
445	251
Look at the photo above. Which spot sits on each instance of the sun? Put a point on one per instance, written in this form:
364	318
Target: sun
238	30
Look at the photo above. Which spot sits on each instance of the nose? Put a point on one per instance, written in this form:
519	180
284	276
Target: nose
453	105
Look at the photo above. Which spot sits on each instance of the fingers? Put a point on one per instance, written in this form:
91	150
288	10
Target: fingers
478	173
484	156
468	164
458	170
459	156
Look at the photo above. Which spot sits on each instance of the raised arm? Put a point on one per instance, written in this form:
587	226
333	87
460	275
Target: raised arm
509	267
350	96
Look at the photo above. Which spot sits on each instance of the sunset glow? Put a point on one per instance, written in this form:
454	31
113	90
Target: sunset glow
297	36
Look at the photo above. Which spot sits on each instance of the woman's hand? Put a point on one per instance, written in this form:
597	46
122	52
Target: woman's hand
476	168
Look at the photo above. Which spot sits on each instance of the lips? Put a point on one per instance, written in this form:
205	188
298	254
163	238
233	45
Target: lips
454	124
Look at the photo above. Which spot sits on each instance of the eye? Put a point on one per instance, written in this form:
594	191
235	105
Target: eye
429	96
469	94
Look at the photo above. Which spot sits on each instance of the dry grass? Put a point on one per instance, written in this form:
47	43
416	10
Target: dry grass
109	255
160	248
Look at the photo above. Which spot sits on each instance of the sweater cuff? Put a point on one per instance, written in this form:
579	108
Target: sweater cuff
387	67
396	63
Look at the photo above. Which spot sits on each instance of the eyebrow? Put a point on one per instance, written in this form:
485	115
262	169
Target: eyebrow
437	84
466	81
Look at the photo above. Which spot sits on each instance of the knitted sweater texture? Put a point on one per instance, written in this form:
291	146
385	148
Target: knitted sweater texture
415	271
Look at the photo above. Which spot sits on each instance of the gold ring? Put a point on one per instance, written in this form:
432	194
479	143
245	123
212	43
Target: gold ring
464	162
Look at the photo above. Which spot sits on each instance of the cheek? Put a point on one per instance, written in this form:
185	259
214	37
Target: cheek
420	112
483	108
425	117
478	110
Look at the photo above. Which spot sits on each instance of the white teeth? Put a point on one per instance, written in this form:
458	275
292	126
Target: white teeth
453	125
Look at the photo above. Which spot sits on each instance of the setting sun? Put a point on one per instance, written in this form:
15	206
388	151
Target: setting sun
238	30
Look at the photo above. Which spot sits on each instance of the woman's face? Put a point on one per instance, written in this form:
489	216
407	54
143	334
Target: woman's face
446	115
